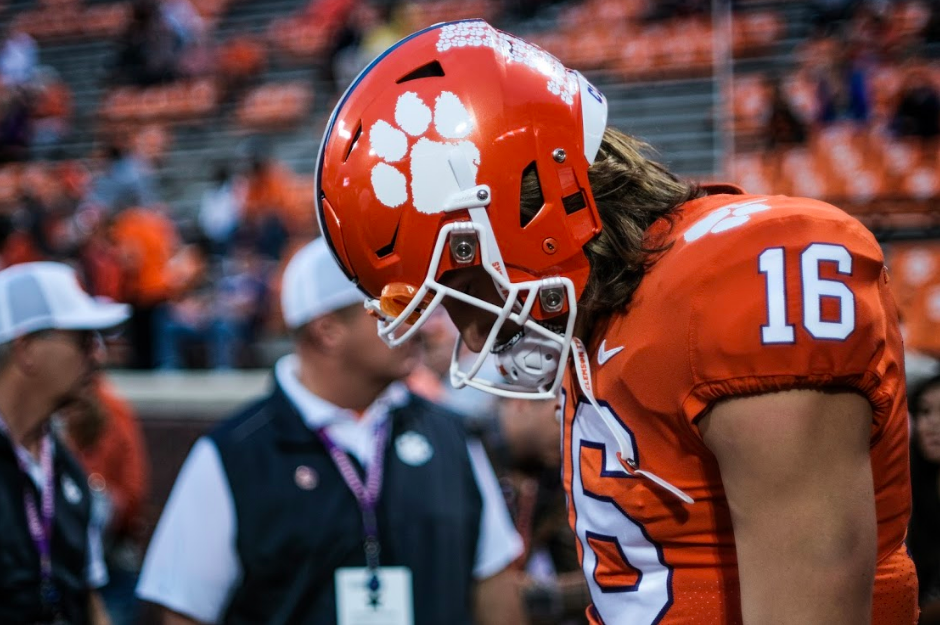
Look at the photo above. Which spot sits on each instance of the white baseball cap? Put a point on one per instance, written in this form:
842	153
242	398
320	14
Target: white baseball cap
47	296
314	285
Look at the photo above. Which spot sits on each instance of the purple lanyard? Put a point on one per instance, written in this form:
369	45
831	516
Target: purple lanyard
367	495
39	518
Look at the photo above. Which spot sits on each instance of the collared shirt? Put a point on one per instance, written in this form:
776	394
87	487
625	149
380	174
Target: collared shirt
96	571
192	566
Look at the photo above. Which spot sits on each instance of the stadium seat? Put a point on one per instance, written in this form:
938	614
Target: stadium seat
275	106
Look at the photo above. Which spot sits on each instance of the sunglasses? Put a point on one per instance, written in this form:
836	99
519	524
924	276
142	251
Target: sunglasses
87	341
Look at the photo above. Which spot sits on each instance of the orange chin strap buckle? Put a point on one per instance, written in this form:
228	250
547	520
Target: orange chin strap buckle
396	297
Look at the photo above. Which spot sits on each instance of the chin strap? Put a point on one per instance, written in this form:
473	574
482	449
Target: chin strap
583	367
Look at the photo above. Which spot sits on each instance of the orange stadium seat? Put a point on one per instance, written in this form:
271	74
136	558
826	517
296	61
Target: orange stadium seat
299	38
915	281
9	184
105	20
801	94
751	102
689	51
908	17
67	20
802	174
754	173
210	10
756	31
921	183
637	57
884	85
275	106
241	57
175	102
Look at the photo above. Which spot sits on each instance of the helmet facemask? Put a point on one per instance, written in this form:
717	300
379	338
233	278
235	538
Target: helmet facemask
532	360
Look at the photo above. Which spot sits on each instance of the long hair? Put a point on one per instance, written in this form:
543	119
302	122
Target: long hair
923	538
631	192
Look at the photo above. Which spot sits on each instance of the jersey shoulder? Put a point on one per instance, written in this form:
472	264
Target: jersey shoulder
739	224
781	293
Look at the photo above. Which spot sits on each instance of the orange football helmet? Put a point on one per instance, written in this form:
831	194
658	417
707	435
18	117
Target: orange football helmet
420	172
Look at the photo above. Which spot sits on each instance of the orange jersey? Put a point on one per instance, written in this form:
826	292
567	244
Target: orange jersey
756	294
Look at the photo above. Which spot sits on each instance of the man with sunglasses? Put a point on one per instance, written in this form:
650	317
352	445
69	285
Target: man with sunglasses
50	350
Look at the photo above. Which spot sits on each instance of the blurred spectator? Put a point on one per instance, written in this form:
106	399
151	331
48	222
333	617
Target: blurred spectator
924	536
380	484
268	208
17	241
525	444
827	15
18	59
784	127
148	52
669	9
15	123
51	349
146	240
241	300
187	316
369	30
185	22
125	181
240	59
105	436
221	209
917	113
842	88
47	211
218	310
195	49
52	108
98	256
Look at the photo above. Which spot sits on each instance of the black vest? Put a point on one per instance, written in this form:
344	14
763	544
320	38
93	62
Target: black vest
290	540
20	600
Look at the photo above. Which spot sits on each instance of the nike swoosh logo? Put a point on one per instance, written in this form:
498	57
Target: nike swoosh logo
604	354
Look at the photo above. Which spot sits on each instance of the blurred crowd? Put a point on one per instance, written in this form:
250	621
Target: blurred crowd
839	63
203	284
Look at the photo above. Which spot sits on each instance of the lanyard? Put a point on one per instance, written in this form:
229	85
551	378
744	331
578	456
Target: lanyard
367	495
39	517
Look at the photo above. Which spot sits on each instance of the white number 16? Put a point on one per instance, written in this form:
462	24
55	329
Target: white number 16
777	330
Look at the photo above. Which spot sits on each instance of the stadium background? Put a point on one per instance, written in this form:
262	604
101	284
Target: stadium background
804	98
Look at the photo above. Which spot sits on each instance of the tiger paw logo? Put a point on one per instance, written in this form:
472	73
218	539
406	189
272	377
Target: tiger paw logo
725	218
407	144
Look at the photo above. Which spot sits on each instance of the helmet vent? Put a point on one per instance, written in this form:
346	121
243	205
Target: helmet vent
531	199
428	70
385	250
573	203
353	142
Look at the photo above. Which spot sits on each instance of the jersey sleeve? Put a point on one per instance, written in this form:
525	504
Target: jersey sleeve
798	300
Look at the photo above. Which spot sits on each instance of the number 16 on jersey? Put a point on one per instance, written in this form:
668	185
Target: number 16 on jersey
772	264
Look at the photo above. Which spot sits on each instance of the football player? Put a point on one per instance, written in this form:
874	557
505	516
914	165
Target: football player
735	430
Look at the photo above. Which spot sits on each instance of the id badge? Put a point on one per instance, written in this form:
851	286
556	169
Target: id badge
391	605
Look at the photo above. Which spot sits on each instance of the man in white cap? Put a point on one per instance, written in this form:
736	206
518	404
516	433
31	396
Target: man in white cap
339	498
50	350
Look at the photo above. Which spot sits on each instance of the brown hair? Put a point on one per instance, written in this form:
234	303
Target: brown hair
631	192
